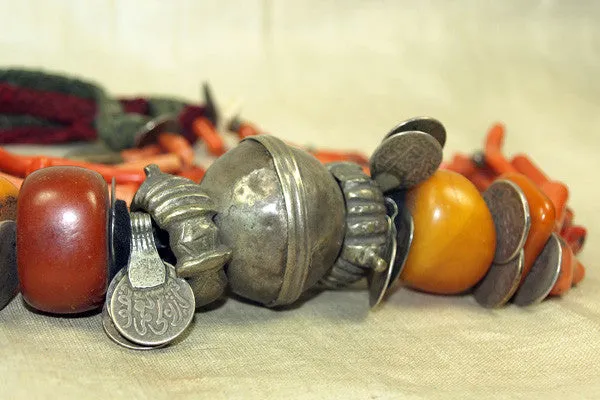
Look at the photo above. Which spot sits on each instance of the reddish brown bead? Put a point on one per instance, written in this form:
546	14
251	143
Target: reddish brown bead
62	247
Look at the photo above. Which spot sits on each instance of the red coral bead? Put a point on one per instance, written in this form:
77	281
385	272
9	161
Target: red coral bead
62	251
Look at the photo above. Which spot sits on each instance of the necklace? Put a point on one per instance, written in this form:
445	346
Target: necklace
270	221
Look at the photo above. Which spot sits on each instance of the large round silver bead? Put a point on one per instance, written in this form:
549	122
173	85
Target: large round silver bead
282	214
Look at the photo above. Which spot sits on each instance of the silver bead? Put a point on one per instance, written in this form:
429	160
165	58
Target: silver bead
281	213
366	226
181	208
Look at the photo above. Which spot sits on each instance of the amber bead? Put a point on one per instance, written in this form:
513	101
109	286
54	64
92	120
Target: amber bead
62	247
543	218
8	200
454	237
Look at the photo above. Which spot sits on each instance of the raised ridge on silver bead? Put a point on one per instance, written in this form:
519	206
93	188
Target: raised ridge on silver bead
181	208
294	193
366	226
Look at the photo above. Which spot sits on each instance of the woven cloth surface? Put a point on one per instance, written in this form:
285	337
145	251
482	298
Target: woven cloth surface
337	76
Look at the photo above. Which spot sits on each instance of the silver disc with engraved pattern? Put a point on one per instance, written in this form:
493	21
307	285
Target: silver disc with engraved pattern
542	276
379	279
428	125
405	230
148	304
405	159
115	336
152	316
510	212
500	283
111	288
9	281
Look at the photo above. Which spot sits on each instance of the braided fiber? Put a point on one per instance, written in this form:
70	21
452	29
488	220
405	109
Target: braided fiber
45	82
18	121
38	107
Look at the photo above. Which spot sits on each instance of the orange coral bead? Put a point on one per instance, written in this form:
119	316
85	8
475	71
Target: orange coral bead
454	238
543	218
8	200
578	272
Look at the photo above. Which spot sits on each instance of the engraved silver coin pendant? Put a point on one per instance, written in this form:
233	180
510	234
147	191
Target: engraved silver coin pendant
111	288
405	230
152	316
500	283
428	125
542	276
115	336
510	212
379	280
405	159
148	304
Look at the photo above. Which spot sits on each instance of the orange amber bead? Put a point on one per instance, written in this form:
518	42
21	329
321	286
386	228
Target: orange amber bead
62	250
454	237
543	218
8	200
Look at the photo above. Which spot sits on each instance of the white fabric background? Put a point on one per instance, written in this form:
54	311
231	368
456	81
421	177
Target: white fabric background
337	74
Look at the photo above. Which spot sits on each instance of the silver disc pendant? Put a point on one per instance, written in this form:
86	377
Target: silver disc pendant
542	276
510	212
146	301
379	279
111	288
500	283
115	336
405	230
405	159
152	316
428	125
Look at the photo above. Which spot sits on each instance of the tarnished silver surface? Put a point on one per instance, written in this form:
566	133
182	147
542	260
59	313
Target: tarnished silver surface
542	276
379	279
145	268
510	212
152	316
180	207
298	257
9	279
147	303
115	336
281	213
111	287
405	159
366	227
405	230
500	283
428	125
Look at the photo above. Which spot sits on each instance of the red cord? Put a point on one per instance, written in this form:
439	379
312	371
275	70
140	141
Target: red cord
136	105
74	113
58	107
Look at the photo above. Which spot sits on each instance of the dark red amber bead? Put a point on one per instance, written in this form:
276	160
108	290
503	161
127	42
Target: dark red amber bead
62	251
